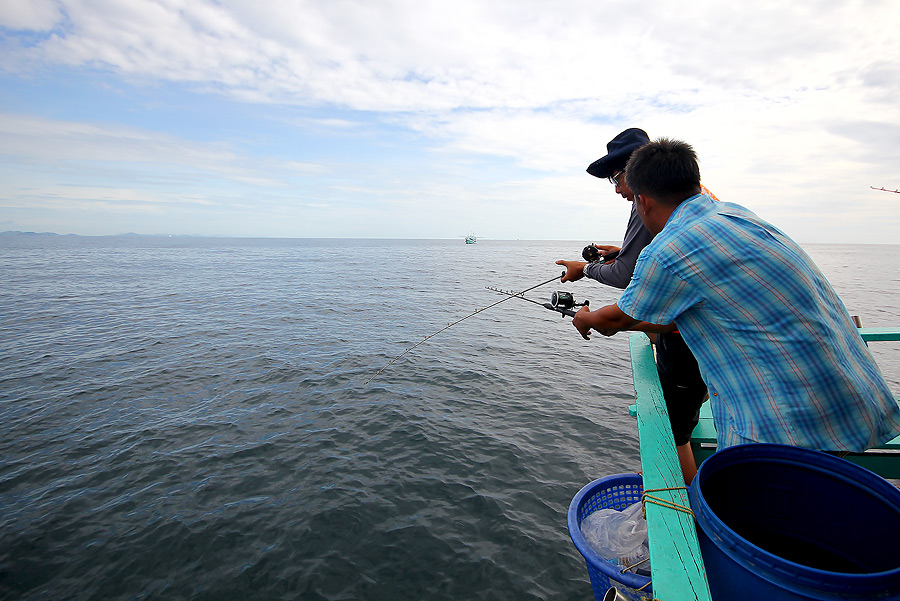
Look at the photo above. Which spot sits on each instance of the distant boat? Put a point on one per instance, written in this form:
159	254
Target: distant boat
470	239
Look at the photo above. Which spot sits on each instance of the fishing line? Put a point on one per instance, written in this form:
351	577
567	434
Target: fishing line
476	312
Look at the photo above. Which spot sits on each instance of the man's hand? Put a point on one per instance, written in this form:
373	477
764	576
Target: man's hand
580	323
584	320
574	270
605	249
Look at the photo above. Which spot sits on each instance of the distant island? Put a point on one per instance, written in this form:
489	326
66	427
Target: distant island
29	234
11	233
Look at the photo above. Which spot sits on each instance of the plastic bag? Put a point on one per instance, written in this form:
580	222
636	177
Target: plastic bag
617	535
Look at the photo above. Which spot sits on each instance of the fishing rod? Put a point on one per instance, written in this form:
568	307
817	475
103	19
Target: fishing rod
561	302
882	188
476	312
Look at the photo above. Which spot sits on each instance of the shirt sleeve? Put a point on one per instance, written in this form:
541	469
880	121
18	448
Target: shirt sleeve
656	294
618	273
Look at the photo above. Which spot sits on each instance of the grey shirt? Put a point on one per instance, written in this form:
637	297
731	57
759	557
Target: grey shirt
618	273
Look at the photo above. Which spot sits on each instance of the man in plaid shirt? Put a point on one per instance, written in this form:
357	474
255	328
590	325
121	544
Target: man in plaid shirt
780	355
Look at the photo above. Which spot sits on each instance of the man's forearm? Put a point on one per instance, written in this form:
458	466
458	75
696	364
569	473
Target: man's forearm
610	317
605	319
652	328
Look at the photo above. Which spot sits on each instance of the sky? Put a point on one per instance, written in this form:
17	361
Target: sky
437	119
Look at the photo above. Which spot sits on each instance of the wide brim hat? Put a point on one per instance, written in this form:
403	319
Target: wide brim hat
618	151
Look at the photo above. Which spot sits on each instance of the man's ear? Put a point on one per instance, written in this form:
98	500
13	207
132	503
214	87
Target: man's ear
644	207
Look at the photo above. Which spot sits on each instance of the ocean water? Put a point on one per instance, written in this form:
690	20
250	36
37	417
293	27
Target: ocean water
193	418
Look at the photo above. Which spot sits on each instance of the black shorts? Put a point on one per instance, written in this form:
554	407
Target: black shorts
682	386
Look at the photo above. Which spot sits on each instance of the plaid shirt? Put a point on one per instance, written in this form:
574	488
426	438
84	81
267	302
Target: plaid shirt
780	355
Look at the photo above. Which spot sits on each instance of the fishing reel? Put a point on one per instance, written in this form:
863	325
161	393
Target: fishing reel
591	254
561	302
564	302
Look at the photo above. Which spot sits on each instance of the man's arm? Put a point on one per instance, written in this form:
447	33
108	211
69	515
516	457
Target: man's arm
611	319
649	328
618	273
574	270
605	249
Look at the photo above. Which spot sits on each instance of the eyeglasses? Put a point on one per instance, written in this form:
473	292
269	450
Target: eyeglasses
614	178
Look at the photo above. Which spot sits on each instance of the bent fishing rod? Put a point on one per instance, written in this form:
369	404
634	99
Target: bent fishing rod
476	312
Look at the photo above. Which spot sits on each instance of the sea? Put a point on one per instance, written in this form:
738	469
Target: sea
233	418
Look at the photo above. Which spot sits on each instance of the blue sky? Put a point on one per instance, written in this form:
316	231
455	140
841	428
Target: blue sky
432	119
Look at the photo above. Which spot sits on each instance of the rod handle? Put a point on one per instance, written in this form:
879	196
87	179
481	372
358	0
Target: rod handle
568	312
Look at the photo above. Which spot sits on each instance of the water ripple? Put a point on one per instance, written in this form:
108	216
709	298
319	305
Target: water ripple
187	419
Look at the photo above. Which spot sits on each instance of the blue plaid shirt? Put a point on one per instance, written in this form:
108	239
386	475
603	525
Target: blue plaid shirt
780	355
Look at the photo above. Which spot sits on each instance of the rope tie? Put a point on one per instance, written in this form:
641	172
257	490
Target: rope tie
632	566
645	498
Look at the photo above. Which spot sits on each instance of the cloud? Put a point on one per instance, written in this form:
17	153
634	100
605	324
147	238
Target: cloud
431	55
385	56
54	140
86	167
32	15
792	107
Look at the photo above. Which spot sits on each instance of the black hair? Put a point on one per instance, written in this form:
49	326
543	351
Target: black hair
664	169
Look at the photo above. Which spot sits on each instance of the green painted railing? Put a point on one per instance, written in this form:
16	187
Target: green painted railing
879	334
676	564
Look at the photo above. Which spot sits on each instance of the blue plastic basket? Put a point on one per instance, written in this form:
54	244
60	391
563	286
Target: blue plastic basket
612	492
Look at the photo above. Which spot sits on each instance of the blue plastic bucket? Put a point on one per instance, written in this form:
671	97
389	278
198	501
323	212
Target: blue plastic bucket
785	523
612	492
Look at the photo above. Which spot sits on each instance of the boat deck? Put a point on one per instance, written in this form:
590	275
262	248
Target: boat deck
677	566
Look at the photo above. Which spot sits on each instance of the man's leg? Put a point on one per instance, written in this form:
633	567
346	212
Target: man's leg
684	392
688	464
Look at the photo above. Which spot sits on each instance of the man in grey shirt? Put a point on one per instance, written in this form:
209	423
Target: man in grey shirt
683	387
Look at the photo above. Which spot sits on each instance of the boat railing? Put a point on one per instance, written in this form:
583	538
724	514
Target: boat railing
675	561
